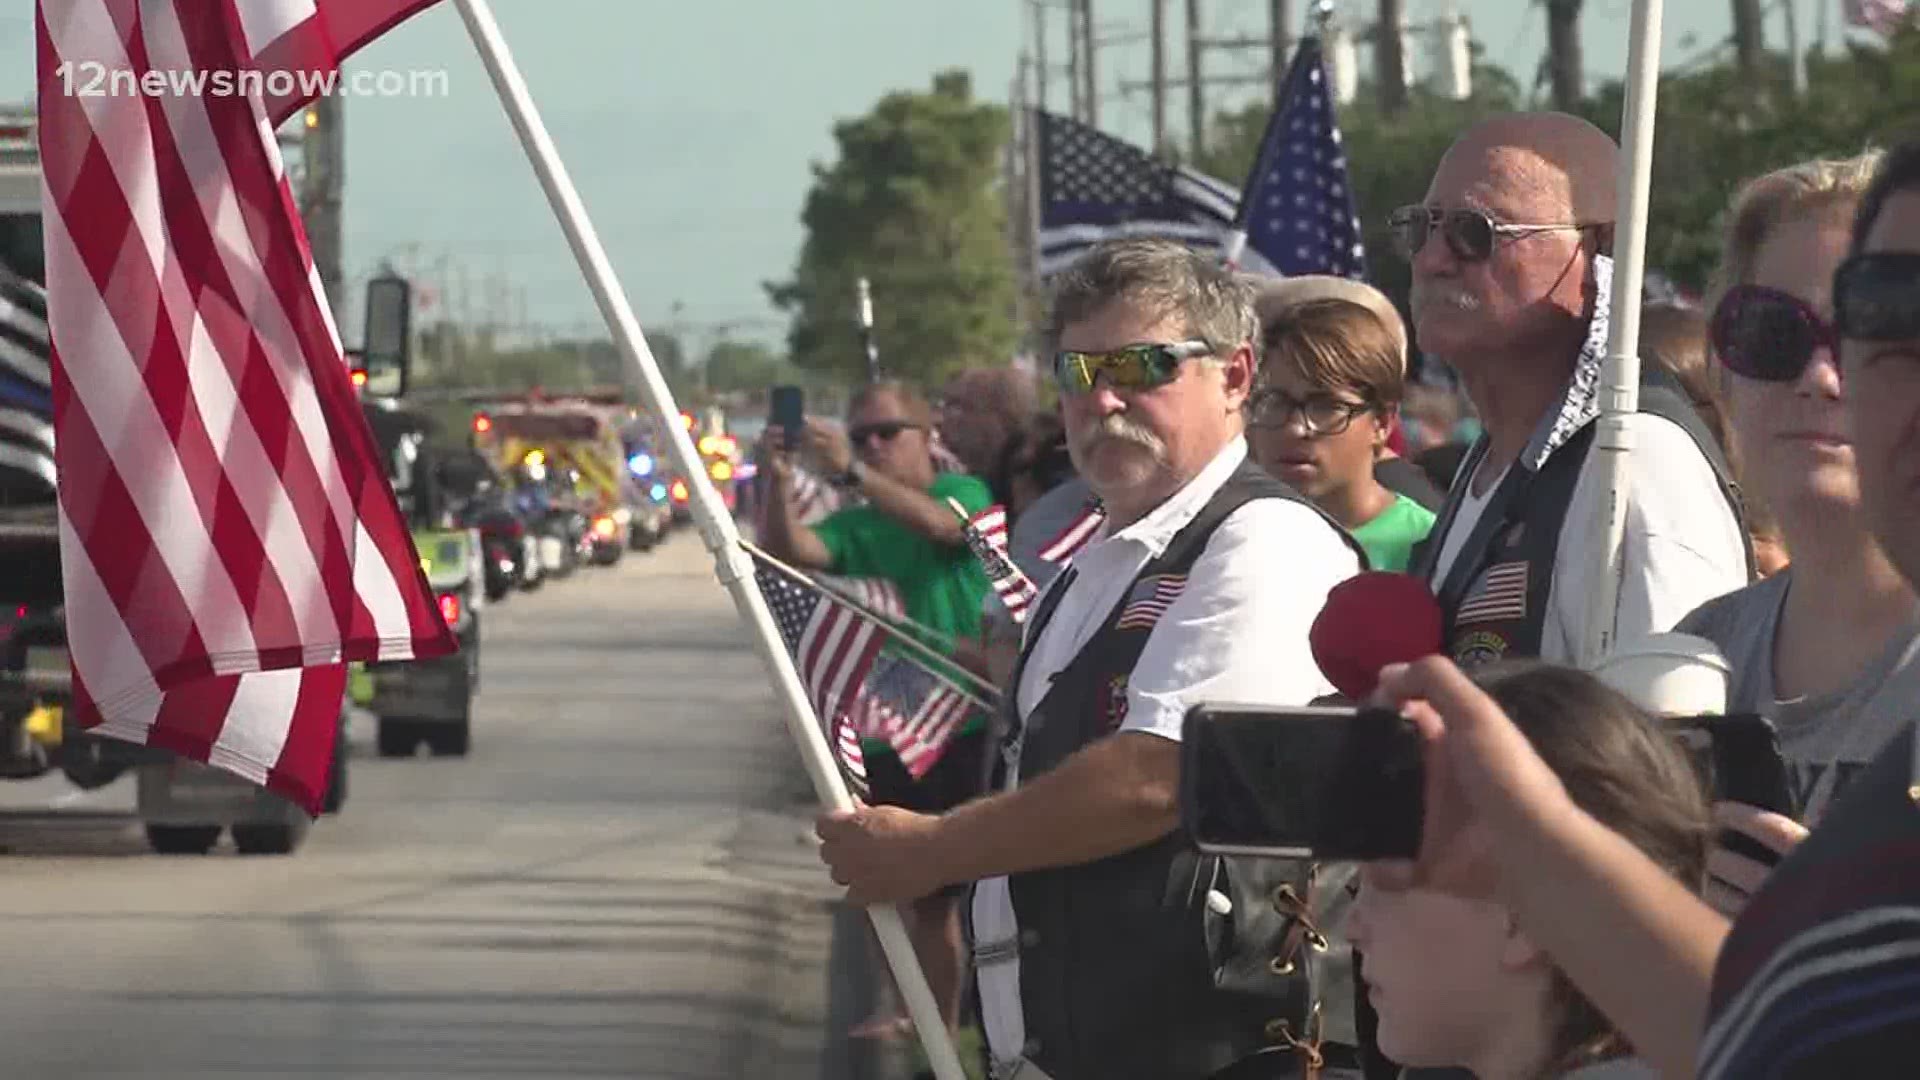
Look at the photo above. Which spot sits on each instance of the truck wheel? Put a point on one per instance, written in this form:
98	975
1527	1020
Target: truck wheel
397	738
183	839
451	740
269	839
336	796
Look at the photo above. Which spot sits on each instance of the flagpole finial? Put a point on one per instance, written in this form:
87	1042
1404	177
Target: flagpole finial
1320	14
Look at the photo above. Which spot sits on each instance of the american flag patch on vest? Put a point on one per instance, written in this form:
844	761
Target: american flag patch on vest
1150	598
1500	594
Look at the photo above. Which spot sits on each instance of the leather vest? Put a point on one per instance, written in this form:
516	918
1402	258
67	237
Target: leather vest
1494	598
1125	969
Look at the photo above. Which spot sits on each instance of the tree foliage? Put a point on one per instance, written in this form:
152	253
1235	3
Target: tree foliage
1715	129
913	204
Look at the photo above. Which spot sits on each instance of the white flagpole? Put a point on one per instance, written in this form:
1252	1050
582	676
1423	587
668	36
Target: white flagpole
1620	378
717	529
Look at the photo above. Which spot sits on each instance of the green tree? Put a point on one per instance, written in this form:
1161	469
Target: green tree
1716	128
913	204
735	366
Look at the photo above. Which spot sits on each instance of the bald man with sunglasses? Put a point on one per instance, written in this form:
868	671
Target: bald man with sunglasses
1105	947
1511	286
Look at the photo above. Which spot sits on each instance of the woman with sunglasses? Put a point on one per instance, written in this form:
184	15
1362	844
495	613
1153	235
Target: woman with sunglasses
1331	378
1829	648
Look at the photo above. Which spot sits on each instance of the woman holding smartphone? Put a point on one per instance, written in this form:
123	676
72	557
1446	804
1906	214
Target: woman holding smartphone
1829	648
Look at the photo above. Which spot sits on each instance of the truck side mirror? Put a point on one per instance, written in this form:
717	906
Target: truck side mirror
387	343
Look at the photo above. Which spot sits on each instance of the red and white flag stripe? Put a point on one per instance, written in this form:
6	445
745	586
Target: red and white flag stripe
228	539
308	39
1078	533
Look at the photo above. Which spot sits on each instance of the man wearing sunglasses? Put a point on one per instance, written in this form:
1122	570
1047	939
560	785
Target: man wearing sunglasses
905	533
1511	288
1097	930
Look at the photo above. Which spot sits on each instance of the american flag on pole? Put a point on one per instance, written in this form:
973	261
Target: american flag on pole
1299	212
1094	188
1883	17
986	535
228	538
858	690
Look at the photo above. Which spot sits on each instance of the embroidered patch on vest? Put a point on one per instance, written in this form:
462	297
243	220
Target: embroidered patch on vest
1116	711
1150	598
1500	595
1479	647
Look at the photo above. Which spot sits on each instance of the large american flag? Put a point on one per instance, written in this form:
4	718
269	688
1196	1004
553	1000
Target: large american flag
228	538
1299	218
857	689
1299	212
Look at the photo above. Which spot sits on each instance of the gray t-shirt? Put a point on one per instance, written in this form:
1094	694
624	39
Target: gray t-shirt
1826	738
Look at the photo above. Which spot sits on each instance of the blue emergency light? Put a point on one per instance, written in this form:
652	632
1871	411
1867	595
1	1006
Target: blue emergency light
641	464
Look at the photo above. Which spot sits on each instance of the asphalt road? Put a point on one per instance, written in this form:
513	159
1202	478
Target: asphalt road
617	882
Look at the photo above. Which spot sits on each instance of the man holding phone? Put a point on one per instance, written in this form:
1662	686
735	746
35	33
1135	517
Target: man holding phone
1106	948
904	533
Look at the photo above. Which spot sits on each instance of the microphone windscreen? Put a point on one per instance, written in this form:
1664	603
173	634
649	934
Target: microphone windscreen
1372	620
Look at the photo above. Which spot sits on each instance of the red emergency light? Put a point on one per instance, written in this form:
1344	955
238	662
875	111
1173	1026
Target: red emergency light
482	423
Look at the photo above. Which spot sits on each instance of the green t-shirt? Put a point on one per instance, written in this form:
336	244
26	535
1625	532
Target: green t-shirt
941	586
1389	538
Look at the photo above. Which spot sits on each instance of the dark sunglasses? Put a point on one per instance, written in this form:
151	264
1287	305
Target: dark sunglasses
1321	414
1470	234
1134	367
887	430
1876	297
1766	334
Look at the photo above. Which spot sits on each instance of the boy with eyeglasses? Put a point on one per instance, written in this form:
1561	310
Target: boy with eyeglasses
1332	373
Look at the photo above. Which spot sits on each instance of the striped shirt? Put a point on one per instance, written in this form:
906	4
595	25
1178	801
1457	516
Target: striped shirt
1820	976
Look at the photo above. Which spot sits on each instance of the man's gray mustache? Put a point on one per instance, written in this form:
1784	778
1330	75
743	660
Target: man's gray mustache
1116	426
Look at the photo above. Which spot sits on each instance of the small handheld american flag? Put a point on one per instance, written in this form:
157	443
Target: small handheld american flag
986	534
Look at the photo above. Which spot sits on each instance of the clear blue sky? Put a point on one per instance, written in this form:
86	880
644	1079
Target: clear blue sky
689	127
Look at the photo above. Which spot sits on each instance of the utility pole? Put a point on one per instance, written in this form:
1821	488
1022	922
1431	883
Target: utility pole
1566	66
1390	56
1797	56
1159	75
1077	107
1039	8
1088	69
1280	29
323	157
1749	37
1196	84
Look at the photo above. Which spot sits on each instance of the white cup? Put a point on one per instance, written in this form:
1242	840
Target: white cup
1669	674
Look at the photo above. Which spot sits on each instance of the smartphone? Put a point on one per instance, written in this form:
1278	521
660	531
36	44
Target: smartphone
787	409
1323	783
1739	760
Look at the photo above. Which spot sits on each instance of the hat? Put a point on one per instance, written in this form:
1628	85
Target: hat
1274	297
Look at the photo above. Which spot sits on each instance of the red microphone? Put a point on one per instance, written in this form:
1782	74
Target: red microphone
1369	621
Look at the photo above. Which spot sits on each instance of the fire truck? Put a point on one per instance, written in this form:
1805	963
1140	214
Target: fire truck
579	453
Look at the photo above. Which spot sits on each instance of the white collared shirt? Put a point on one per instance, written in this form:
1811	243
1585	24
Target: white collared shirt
1237	632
